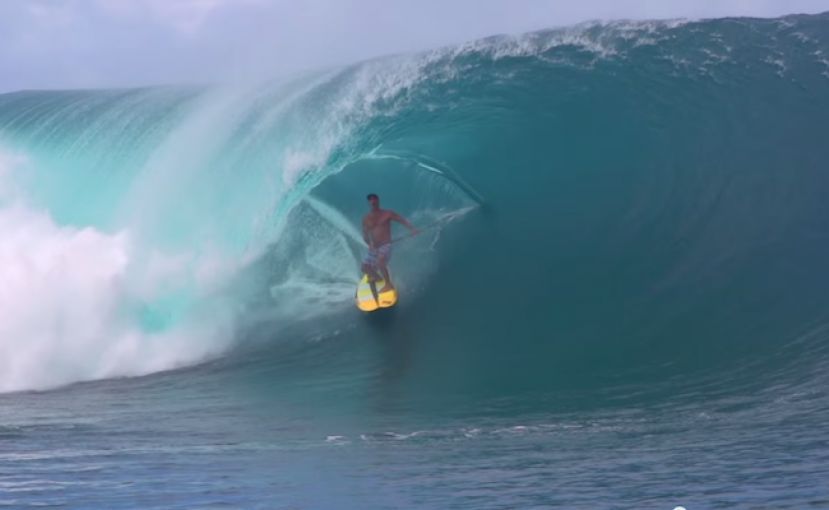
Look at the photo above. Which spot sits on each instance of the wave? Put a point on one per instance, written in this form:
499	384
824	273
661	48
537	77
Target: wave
616	202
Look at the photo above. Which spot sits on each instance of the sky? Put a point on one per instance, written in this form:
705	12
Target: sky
58	44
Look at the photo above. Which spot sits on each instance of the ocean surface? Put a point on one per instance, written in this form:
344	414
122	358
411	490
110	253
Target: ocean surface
619	298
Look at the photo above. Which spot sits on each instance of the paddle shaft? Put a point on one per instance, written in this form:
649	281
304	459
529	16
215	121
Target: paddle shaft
410	234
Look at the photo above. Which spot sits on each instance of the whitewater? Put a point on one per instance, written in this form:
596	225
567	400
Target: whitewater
619	301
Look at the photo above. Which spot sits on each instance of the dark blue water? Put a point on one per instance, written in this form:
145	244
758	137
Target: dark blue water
618	300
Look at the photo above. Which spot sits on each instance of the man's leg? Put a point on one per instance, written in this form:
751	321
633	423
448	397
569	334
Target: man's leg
382	264
368	269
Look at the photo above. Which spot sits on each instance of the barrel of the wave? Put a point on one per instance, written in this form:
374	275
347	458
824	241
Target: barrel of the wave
367	297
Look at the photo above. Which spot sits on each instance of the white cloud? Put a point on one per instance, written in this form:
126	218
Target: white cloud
183	16
51	15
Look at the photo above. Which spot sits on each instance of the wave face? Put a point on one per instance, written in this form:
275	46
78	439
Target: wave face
614	204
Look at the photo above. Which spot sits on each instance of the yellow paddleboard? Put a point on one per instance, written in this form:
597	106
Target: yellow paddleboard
368	299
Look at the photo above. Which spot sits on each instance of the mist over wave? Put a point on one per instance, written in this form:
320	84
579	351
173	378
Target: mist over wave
67	297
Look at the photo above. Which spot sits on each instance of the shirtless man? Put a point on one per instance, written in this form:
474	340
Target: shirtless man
377	234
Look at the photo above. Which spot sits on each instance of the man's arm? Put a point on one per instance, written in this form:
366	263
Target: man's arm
400	219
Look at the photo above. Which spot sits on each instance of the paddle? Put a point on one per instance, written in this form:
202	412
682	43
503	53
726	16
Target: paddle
419	230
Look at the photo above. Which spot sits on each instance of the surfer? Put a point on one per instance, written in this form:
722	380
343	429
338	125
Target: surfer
377	234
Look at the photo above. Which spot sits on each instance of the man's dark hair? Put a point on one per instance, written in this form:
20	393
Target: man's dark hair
372	195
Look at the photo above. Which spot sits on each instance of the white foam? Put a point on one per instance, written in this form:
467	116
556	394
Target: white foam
778	63
68	299
820	58
600	38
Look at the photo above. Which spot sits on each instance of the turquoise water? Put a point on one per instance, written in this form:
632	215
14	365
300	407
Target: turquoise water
619	301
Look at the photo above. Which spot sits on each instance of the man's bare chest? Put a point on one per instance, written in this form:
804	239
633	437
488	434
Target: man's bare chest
376	221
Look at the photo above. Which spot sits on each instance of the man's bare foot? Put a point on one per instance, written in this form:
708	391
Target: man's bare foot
386	288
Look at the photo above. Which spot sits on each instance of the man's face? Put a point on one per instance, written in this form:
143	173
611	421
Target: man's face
374	202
